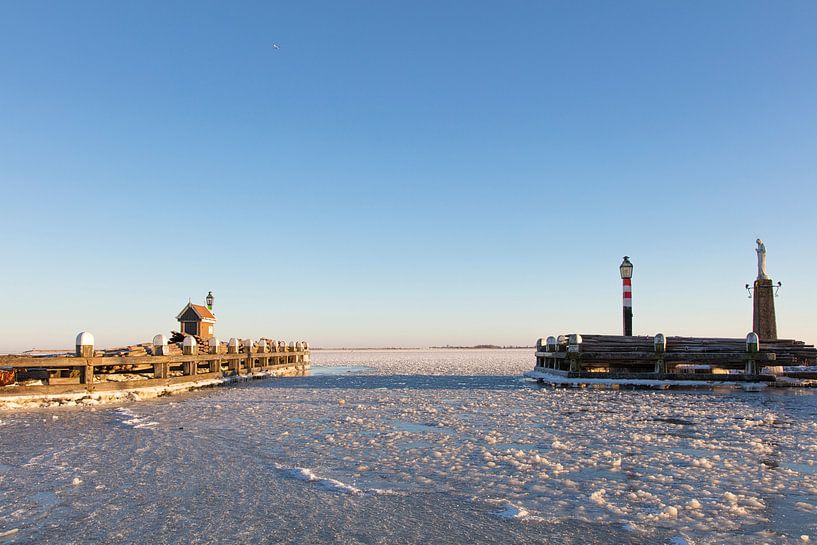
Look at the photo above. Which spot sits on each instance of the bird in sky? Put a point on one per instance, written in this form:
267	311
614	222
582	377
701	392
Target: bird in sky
275	46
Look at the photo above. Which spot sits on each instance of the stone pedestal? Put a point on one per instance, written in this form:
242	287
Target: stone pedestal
763	319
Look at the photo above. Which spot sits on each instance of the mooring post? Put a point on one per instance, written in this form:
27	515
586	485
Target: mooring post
85	349
262	349
561	346
215	348
752	351
574	349
551	346
233	348
307	357
249	348
85	345
190	348
160	348
273	348
660	344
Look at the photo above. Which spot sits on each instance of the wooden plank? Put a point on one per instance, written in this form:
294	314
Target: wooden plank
50	363
716	377
152	382
63	380
13	391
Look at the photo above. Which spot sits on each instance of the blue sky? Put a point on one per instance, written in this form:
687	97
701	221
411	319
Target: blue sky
404	174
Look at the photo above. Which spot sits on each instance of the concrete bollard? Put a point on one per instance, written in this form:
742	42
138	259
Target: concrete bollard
574	348
215	348
660	344
160	346
551	345
263	348
190	346
561	343
233	347
85	349
85	345
249	349
752	350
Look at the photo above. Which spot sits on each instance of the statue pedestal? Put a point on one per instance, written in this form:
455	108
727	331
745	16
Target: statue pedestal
763	319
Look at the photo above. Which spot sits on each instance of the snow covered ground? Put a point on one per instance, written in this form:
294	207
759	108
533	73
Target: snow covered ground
421	447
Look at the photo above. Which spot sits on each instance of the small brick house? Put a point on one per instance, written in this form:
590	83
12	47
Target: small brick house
196	320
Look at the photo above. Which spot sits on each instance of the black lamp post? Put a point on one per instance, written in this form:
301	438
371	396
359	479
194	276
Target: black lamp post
210	300
626	270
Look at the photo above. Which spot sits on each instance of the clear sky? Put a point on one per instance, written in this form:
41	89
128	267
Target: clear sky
404	173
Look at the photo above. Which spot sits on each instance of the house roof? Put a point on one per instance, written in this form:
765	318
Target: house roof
203	312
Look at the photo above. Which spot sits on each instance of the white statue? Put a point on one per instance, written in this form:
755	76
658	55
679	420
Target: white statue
761	261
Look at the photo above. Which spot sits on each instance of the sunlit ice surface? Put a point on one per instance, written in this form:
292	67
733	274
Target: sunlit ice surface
447	446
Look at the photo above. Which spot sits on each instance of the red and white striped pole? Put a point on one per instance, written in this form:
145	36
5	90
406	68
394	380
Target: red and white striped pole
626	270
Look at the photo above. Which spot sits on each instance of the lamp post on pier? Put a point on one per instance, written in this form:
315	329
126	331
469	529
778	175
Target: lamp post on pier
626	270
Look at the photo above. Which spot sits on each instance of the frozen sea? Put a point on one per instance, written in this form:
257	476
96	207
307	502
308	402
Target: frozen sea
435	446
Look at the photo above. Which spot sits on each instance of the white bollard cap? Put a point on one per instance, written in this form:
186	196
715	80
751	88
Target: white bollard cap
85	339
262	344
232	342
752	342
659	342
189	341
249	343
214	342
160	340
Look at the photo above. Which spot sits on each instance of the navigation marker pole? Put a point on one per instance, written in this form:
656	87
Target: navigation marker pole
626	270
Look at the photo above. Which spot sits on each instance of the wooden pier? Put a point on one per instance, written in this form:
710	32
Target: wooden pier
691	360
72	375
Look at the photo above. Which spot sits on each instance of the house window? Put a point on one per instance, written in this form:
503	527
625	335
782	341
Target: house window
191	328
210	329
